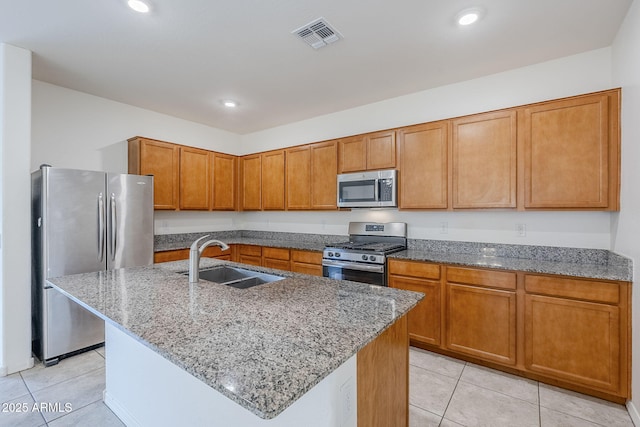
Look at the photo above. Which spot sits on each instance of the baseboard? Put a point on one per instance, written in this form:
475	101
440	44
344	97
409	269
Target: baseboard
28	364
633	413
120	411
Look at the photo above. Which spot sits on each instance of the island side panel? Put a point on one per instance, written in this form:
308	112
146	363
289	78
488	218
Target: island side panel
145	389
383	379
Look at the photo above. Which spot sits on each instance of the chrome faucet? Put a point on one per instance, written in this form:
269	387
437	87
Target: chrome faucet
195	253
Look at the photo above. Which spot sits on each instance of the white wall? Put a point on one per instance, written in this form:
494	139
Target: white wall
75	130
586	72
625	231
15	201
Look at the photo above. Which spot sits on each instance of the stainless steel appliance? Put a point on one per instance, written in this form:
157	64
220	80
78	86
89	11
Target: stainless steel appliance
82	221
367	189
364	257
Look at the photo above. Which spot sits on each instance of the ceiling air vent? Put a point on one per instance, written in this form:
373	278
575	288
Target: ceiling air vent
318	33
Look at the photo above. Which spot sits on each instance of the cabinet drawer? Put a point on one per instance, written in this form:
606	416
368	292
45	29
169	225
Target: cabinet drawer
275	253
215	252
280	264
302	267
421	270
250	250
590	290
173	255
250	259
308	257
491	279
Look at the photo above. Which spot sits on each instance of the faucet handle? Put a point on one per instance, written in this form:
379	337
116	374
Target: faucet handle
194	245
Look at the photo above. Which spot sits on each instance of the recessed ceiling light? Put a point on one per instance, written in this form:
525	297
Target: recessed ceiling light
229	103
138	6
468	16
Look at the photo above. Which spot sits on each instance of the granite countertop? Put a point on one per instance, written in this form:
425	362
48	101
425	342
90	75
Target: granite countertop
614	270
576	262
262	347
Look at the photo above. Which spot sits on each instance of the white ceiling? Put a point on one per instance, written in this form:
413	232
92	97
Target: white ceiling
185	56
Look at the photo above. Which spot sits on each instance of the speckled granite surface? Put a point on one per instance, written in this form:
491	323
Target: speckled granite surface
578	262
262	347
608	271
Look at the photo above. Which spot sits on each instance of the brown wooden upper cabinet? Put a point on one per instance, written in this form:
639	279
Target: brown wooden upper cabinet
370	151
571	152
273	182
195	179
223	168
484	160
251	187
311	176
424	166
162	160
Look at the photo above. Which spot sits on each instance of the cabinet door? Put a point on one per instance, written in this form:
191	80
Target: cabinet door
324	174
484	161
424	157
162	160
172	255
299	178
352	154
481	323
273	183
424	319
381	150
195	178
251	182
224	182
573	340
567	153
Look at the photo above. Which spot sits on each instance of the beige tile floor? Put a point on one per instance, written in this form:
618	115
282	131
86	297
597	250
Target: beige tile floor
448	392
443	392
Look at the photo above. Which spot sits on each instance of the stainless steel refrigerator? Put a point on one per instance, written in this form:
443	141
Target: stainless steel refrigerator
82	221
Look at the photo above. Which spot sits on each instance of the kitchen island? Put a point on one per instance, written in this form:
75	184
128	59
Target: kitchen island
276	354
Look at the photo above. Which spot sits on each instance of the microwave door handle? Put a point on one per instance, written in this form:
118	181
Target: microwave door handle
376	191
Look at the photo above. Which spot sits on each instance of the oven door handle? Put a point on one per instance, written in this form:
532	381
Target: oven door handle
353	266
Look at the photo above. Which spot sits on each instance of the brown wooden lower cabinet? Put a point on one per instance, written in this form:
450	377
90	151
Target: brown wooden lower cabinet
424	319
180	254
249	254
569	332
307	262
383	379
276	258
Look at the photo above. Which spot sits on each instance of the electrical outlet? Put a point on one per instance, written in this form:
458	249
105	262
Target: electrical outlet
521	229
347	401
444	227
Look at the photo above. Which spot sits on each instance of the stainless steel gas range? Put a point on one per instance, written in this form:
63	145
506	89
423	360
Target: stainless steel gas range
364	257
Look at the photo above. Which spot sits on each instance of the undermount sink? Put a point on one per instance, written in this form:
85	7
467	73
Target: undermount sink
237	277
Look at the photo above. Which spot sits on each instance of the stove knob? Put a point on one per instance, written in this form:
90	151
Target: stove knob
364	257
337	254
330	254
372	258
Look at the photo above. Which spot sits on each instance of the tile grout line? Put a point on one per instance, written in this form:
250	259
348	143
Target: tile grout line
454	391
539	406
33	398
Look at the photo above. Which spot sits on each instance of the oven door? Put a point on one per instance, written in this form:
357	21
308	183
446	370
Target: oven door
373	274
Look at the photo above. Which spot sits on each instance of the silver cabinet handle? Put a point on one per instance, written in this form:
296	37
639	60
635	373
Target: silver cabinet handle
114	226
100	227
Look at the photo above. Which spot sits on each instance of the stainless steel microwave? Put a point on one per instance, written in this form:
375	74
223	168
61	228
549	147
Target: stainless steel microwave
370	189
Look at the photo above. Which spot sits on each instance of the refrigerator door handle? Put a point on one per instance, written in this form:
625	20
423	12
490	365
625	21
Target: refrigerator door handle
114	226
101	215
